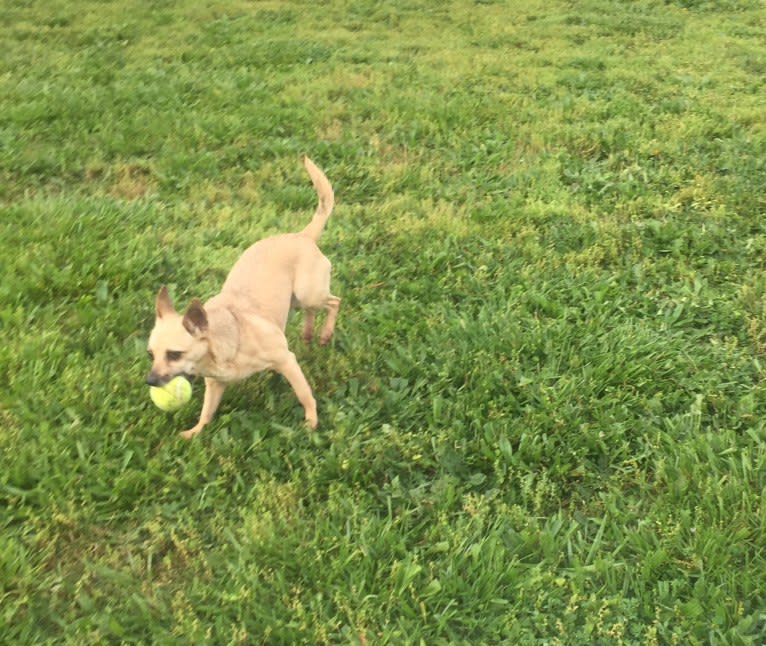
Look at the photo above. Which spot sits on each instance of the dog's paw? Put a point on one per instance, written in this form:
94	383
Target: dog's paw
312	420
187	435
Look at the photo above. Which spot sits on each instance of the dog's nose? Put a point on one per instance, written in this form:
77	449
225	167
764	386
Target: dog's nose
153	380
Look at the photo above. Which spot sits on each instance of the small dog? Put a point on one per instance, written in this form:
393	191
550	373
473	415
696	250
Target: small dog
241	330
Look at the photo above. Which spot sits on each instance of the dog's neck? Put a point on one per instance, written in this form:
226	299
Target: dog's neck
223	337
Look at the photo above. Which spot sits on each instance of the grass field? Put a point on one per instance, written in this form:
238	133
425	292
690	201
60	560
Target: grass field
542	418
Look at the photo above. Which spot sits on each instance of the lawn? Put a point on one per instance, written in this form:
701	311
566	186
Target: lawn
542	417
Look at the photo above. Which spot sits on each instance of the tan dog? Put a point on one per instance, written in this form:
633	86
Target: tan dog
241	330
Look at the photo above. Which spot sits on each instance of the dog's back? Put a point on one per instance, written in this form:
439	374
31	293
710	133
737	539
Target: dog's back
264	277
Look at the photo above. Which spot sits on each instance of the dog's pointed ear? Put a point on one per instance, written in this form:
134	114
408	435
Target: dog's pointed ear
195	318
163	306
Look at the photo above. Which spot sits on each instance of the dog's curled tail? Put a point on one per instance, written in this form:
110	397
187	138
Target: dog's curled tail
326	200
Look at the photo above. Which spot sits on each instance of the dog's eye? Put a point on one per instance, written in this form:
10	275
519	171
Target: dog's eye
151	354
173	355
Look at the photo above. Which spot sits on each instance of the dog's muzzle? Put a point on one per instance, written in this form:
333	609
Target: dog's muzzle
153	379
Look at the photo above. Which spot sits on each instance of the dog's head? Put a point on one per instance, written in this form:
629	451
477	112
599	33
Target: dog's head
178	341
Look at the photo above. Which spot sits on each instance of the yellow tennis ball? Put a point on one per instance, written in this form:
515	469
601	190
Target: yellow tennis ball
172	395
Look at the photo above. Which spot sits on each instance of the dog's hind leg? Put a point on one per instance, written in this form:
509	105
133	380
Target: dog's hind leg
331	305
312	292
308	325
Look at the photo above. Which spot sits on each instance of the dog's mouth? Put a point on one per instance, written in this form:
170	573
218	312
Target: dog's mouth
153	379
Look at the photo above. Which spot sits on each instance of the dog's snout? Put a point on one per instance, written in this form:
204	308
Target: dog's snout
153	379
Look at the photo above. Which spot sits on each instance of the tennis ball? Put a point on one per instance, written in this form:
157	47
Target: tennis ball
172	395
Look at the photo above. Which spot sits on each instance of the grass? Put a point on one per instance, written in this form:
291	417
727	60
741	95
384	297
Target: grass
542	416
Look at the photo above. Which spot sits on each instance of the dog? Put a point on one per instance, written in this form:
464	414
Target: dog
241	330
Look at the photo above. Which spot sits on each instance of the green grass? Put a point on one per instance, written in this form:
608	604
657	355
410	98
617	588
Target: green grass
542	416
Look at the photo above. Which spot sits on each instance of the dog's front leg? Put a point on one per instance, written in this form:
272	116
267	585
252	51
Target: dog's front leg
289	368
213	393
